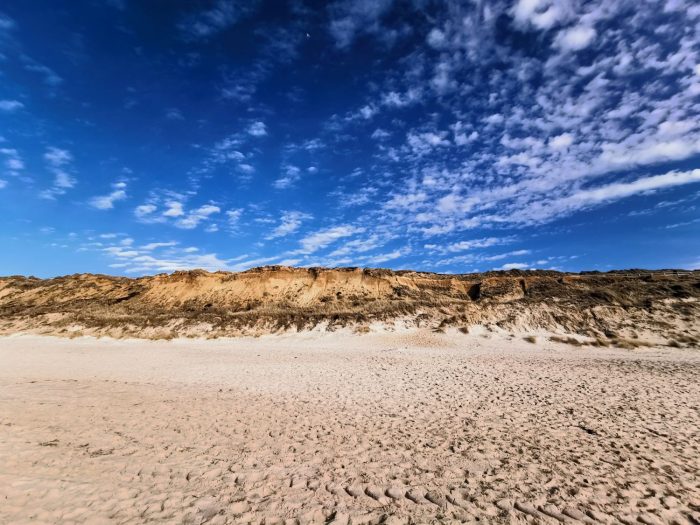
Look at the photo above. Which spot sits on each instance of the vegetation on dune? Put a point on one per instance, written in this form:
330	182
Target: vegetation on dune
607	308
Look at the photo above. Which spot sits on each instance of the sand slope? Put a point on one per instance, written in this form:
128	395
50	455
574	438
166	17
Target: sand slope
400	428
611	308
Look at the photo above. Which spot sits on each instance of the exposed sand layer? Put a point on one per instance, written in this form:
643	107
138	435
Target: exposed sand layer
625	309
402	428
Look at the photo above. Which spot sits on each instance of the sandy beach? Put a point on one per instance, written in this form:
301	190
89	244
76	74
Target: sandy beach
410	427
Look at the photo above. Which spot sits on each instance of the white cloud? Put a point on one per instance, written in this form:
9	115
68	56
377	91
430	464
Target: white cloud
651	151
407	201
222	15
58	162
291	176
234	216
513	266
173	209
257	129
542	14
548	124
57	157
436	38
230	151
233	219
170	208
323	238
359	246
118	251
63	180
6	23
475	258
531	136
10	105
619	190
462	246
174	114
384	257
562	141
675	128
193	218
157	245
682	224
13	162
352	17
145	211
380	134
575	38
424	143
247	169
462	136
51	78
106	202
290	222
147	263
367	112
289	262
547	210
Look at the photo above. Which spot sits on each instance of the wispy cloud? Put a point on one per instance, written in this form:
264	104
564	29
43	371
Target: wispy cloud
463	246
352	17
233	218
171	208
58	162
193	218
13	164
484	119
290	222
50	77
221	15
528	152
10	106
290	175
576	38
358	246
6	23
174	114
106	202
257	129
320	239
385	257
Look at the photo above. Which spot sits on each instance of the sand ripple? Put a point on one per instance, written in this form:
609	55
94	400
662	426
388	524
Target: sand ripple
346	430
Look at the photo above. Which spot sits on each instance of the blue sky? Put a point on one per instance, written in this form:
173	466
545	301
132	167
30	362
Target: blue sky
146	137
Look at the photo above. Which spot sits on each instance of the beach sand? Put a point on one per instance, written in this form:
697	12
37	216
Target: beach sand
410	427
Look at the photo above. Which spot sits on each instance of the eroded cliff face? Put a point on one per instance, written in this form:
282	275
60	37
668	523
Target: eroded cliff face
617	307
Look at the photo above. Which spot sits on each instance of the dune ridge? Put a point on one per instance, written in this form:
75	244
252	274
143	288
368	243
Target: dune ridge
619	308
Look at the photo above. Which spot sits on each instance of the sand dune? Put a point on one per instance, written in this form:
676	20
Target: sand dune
516	397
624	309
409	427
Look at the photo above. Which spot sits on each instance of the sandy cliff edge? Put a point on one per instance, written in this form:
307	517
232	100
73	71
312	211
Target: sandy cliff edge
627	308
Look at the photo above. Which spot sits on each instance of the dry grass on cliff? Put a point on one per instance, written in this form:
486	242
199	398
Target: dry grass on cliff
612	308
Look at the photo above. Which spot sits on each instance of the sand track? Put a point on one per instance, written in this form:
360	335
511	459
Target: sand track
346	429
